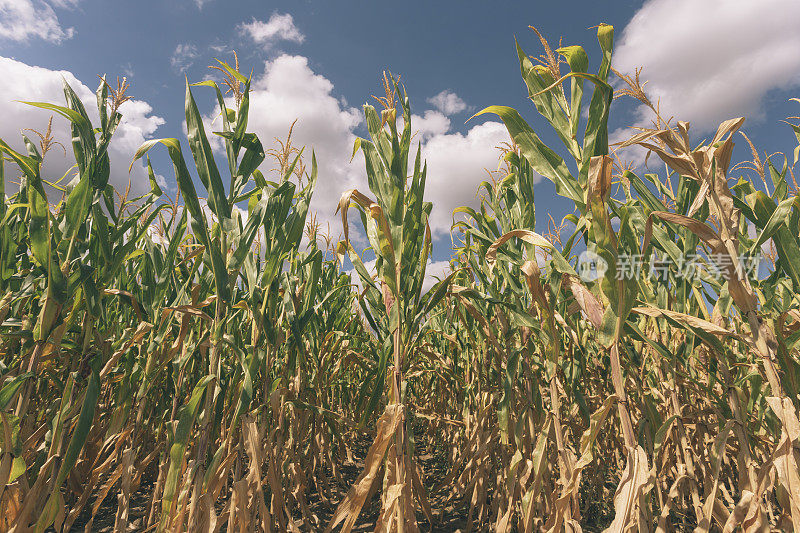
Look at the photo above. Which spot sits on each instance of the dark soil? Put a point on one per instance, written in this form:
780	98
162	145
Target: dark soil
449	516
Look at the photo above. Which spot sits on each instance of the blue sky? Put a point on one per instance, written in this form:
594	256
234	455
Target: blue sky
319	61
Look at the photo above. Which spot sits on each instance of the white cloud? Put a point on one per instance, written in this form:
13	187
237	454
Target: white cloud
218	47
448	102
435	271
22	20
184	56
713	60
355	278
290	90
430	124
635	154
126	70
457	164
64	4
277	28
19	81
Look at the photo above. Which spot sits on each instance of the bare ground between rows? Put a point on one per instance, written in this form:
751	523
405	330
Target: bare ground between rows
450	514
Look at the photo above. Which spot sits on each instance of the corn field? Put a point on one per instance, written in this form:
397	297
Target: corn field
215	362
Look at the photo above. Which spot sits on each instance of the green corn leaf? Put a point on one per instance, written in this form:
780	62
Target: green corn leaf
79	436
541	158
10	388
204	159
186	420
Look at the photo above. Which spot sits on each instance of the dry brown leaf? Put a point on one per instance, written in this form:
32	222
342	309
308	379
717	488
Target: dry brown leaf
599	182
531	237
688	320
587	301
350	507
711	497
626	498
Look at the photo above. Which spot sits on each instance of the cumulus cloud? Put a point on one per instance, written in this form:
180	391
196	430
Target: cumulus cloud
429	124
289	89
713	60
279	27
184	56
20	81
448	102
435	271
634	155
457	164
23	20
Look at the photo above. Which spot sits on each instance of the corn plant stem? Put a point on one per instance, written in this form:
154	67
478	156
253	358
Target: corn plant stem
209	401
745	466
128	457
555	351
764	339
27	388
683	450
622	398
400	432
